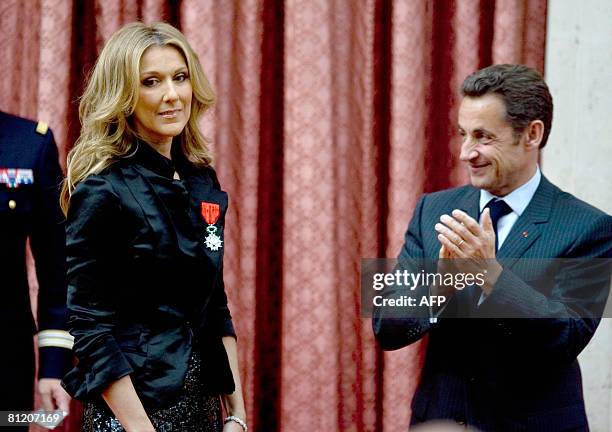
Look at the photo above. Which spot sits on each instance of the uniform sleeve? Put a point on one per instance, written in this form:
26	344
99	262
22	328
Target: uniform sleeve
48	242
93	219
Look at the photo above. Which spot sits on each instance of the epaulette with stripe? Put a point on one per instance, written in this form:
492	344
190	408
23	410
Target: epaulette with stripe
42	127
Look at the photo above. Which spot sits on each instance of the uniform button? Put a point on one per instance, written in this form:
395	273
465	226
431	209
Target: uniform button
12	204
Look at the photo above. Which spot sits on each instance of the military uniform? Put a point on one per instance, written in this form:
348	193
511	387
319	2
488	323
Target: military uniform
30	177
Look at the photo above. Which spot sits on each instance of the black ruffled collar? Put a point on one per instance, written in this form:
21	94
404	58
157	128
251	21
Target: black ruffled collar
151	159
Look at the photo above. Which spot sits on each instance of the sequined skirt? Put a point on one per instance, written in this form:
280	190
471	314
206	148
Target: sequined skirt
195	411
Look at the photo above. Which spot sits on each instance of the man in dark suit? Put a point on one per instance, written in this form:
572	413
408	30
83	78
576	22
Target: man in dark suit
502	373
30	177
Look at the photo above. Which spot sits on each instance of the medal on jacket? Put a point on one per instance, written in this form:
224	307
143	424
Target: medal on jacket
13	177
210	213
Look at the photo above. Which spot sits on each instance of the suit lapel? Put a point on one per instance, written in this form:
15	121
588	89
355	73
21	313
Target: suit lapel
470	203
467	297
529	226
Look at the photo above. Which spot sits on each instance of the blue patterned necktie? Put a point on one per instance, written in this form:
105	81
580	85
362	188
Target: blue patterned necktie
498	209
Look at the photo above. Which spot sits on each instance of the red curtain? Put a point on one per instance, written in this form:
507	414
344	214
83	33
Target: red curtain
333	116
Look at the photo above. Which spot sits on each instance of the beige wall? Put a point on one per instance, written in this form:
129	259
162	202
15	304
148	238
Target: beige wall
579	154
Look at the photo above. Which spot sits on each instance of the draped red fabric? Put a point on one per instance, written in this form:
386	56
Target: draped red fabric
333	116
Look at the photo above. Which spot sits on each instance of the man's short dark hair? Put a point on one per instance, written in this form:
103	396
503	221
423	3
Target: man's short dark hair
523	91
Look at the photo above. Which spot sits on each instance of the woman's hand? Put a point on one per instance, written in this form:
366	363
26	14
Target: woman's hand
234	403
123	401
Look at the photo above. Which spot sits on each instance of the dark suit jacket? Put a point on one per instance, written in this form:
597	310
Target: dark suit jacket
508	374
143	289
29	207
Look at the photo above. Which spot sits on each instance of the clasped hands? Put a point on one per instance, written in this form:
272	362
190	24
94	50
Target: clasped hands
468	247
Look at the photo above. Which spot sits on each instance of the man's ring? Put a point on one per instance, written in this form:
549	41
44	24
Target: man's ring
460	243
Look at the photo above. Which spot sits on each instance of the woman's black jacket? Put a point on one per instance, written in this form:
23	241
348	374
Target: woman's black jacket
144	290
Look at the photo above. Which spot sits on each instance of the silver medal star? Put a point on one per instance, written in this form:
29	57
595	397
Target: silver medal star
213	242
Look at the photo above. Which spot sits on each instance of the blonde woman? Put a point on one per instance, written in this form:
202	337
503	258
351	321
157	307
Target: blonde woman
145	221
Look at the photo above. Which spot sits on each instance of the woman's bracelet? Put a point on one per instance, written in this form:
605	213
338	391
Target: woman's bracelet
237	420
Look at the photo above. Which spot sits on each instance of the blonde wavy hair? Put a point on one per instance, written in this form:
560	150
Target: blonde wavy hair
108	102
